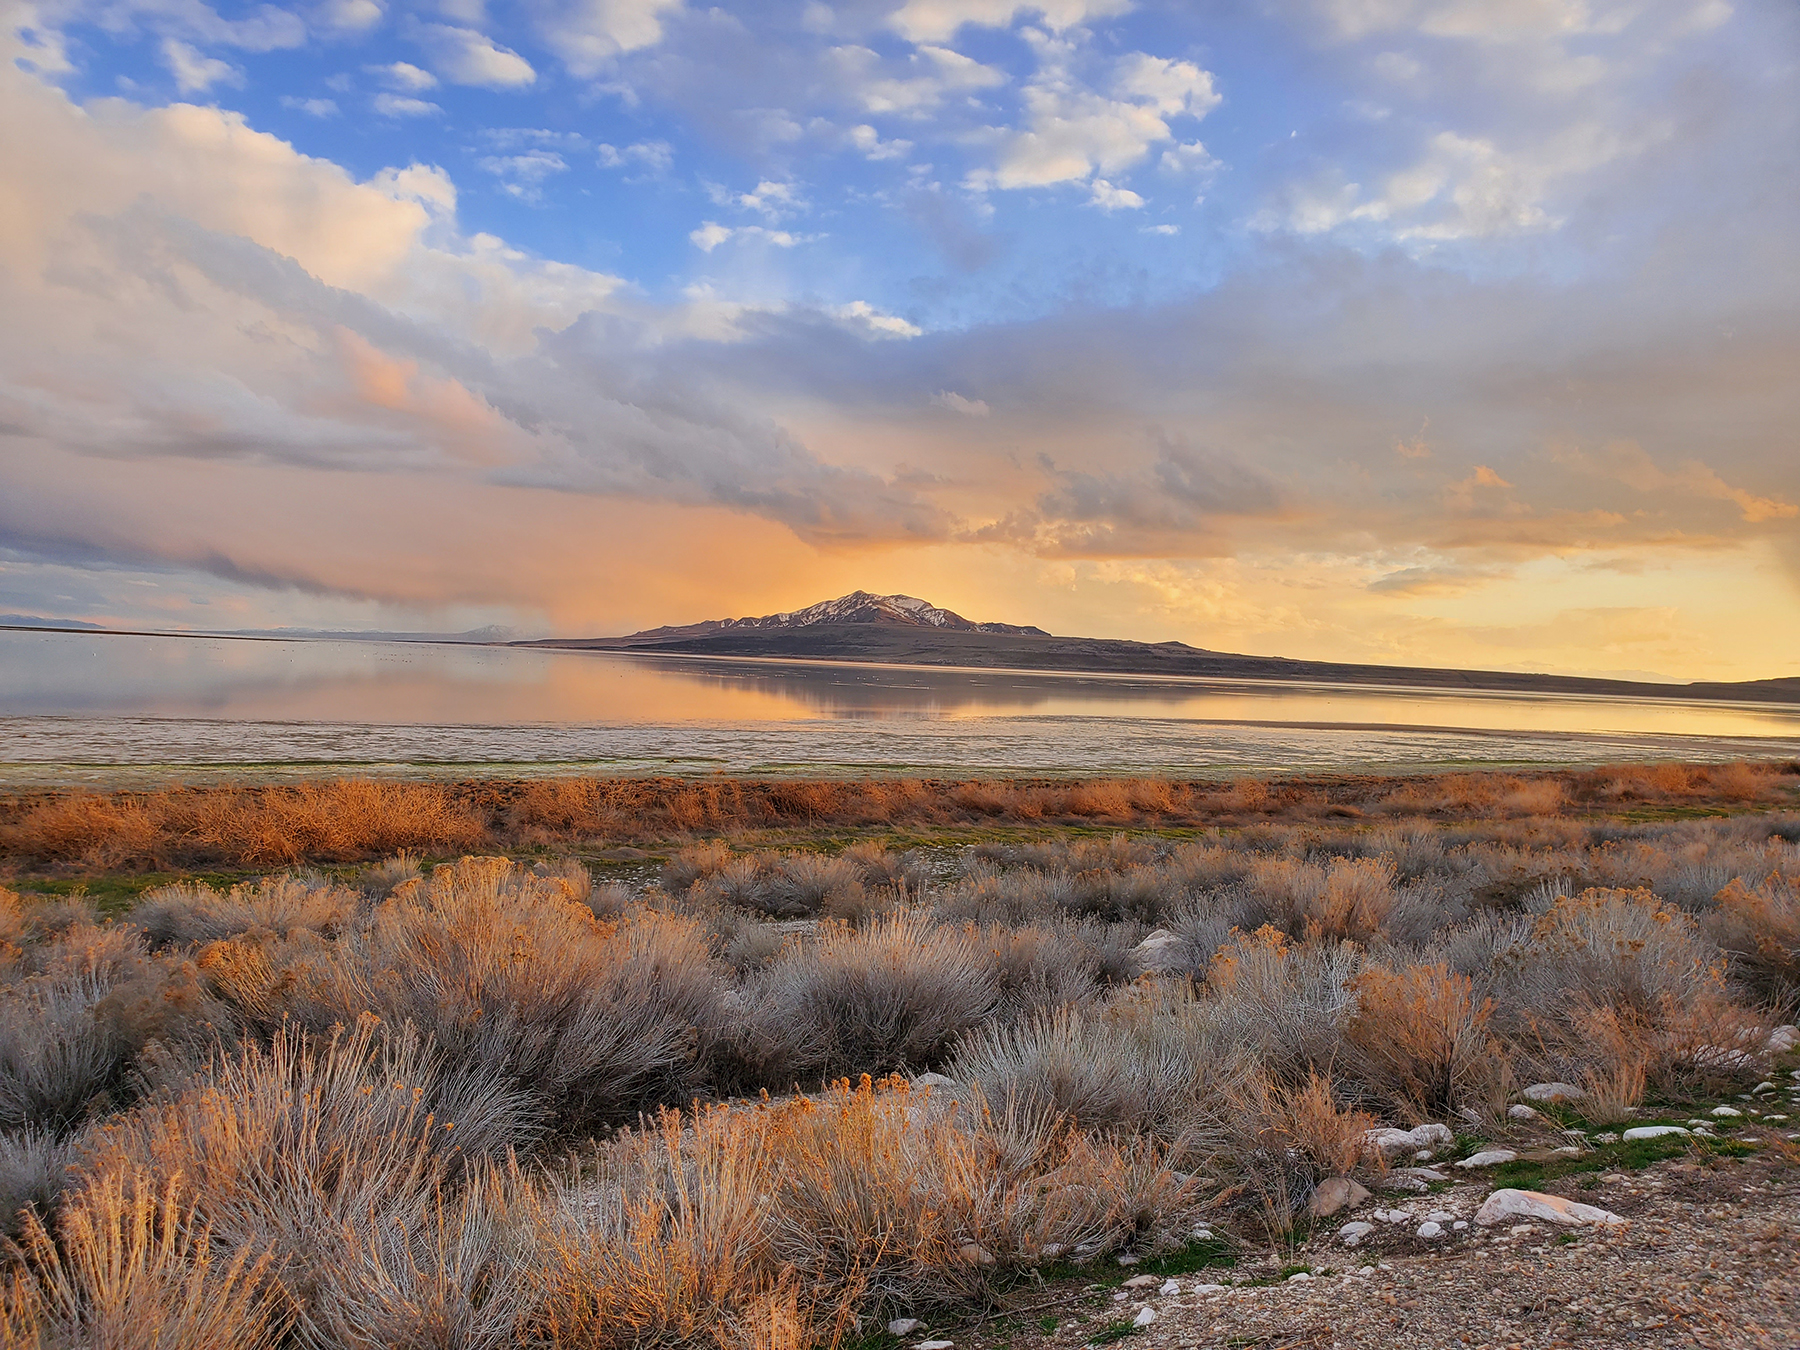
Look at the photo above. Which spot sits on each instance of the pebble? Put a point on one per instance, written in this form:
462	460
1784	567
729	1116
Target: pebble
1140	1282
1430	1229
1169	1287
904	1326
977	1255
1144	1318
1393	1215
1519	1111
1724	1112
1352	1233
935	1345
1209	1289
1299	1275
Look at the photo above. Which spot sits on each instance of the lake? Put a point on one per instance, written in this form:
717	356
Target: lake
103	708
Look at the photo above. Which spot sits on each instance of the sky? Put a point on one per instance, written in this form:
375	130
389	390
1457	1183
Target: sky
1460	332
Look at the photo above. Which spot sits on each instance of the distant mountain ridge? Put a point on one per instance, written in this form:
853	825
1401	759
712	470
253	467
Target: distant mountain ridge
905	630
864	607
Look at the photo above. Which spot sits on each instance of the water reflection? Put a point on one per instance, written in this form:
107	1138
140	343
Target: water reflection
68	698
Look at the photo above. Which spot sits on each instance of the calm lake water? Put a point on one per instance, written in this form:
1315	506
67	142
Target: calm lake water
85	707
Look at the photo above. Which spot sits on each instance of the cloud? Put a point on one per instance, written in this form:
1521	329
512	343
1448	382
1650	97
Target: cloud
711	234
938	20
194	73
1109	198
312	107
405	75
524	175
590	35
351	16
956	403
465	56
1071	130
868	142
1162	229
654	156
917	85
1181	503
399	105
1627	462
864	318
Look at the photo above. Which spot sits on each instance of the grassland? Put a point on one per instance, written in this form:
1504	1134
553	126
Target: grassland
611	1064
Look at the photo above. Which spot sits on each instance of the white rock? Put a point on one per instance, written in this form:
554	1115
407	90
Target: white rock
1162	950
1169	1287
1209	1289
1352	1233
1725	1112
1782	1039
1440	1216
1392	1143
935	1345
904	1326
1393	1215
1140	1282
1460	1224
1520	1111
1300	1275
1144	1318
1505	1205
1553	1093
1488	1157
1428	1229
1654	1131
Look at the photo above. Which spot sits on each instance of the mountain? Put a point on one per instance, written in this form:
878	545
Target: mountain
39	621
858	607
904	630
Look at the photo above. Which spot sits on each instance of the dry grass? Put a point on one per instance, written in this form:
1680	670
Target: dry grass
348	819
351	1092
1418	1039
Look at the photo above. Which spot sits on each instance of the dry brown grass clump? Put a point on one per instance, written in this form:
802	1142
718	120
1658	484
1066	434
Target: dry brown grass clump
346	819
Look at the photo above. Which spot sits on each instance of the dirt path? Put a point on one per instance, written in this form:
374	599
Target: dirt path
1711	1258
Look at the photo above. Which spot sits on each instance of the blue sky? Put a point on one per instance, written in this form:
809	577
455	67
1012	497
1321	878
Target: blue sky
1428	330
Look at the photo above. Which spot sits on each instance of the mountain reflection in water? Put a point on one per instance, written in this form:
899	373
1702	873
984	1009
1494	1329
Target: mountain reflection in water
69	699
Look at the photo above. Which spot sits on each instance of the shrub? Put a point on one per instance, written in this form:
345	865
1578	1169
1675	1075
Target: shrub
506	970
34	1164
1154	1060
132	1264
1758	926
79	1012
1418	1040
191	912
310	1150
892	996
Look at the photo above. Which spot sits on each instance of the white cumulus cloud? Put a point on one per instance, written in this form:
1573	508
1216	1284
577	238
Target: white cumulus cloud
195	73
465	56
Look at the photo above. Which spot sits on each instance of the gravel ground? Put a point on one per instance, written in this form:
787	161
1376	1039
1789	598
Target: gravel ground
1711	1257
